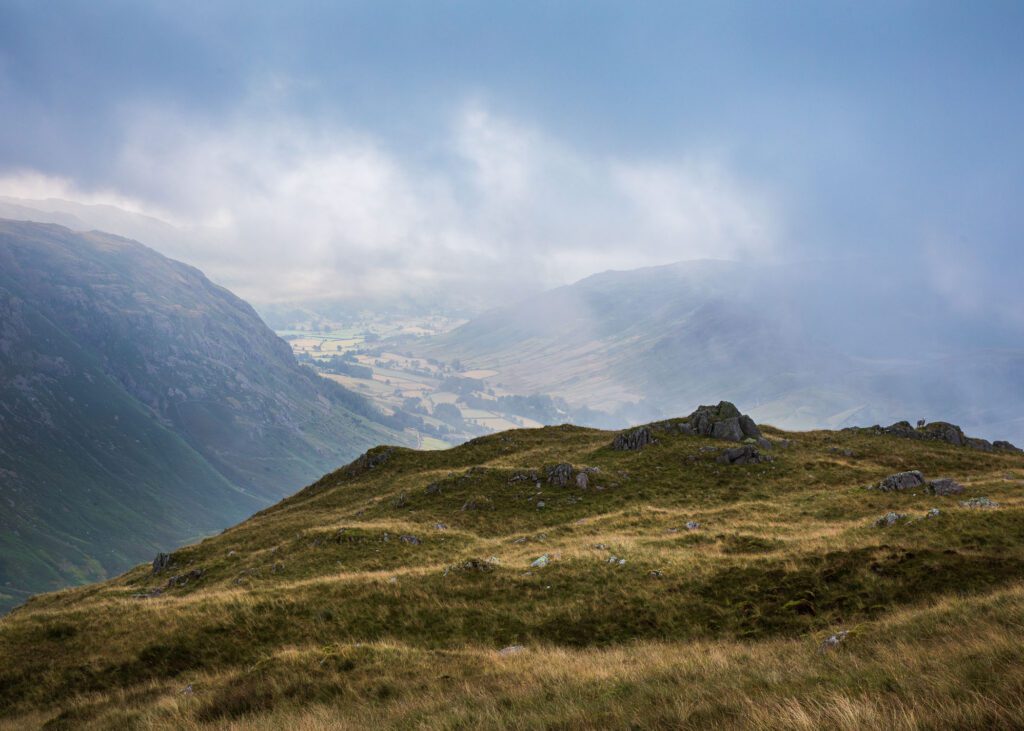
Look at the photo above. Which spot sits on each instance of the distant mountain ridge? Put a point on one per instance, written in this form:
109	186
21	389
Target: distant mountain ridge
141	406
805	348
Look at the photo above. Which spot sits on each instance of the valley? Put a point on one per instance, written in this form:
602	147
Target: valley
365	356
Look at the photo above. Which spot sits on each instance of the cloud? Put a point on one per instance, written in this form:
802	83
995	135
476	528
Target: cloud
281	208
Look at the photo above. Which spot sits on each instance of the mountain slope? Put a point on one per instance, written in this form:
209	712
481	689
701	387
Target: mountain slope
141	406
807	348
543	578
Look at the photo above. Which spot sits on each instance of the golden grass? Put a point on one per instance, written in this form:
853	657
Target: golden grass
355	631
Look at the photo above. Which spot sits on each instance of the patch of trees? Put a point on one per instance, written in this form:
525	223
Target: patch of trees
462	386
345	366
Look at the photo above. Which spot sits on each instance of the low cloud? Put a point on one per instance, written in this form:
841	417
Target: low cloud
283	209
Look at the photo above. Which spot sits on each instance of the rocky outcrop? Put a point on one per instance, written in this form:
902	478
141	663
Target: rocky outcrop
747	454
161	562
900	481
914	480
889	519
723	421
367	461
633	440
560	475
980	502
942	431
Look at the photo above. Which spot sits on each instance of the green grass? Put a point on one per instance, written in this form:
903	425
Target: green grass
316	609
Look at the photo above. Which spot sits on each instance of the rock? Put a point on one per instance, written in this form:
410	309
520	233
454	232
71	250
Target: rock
540	504
434	488
729	429
933	513
723	421
1004	446
979	502
942	431
411	540
901	429
494	560
747	454
944	486
582	481
401	501
560	475
370	460
600	547
692	525
749	428
900	481
633	440
889	519
511	650
832	641
541	562
530	476
440	526
161	562
655	574
982	445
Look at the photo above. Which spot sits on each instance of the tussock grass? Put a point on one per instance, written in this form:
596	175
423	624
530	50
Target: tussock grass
316	614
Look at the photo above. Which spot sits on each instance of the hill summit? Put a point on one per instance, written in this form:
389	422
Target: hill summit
569	577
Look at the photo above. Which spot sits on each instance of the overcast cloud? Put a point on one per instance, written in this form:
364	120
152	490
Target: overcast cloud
366	149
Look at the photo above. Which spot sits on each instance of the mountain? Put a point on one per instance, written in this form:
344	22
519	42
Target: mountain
568	577
142	406
822	345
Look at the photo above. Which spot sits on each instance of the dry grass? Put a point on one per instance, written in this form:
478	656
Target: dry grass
295	625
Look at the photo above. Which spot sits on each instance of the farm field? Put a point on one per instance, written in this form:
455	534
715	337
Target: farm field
368	359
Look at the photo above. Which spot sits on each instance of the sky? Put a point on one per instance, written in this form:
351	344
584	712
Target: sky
367	149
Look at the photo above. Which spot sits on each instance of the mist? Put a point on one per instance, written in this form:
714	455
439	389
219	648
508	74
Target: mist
482	173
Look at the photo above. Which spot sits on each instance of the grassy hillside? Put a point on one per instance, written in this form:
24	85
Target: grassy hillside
402	591
142	407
